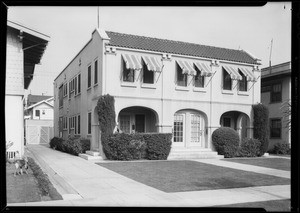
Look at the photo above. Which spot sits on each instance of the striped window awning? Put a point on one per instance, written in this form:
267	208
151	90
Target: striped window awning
250	76
233	72
132	61
204	68
152	63
187	68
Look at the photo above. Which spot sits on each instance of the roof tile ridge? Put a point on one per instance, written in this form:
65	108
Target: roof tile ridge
174	41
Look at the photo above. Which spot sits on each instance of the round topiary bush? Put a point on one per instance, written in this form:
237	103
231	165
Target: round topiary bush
226	141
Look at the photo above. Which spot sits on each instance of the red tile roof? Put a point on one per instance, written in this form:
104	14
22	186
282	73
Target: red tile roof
178	47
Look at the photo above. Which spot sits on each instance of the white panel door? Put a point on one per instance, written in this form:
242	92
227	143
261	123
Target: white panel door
32	134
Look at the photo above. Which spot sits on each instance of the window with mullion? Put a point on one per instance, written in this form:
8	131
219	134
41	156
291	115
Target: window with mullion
89	123
275	128
79	83
276	93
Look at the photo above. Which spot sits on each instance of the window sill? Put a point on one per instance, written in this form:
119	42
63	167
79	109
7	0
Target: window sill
61	107
275	102
199	89
95	84
244	93
181	88
89	89
229	92
148	86
128	84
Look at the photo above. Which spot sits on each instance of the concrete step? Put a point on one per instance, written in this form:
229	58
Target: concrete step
193	154
92	153
90	157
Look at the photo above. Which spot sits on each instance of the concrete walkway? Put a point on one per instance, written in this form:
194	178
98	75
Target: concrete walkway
83	183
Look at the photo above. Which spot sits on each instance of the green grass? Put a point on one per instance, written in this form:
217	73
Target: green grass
274	163
272	205
179	176
31	187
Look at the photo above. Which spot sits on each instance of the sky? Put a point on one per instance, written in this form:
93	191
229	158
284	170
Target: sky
70	28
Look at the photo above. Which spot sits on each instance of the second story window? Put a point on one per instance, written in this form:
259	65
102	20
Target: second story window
148	76
181	78
276	94
199	80
96	72
60	96
89	83
226	80
89	123
243	82
128	74
79	83
75	80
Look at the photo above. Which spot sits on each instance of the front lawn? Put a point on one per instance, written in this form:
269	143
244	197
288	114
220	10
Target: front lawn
274	163
271	205
179	176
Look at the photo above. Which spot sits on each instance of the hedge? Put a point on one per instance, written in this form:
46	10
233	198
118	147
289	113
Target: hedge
72	145
260	126
281	148
151	146
249	148
226	141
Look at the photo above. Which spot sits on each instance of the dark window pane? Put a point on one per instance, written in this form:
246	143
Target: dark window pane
79	82
89	77
148	76
226	80
181	78
96	72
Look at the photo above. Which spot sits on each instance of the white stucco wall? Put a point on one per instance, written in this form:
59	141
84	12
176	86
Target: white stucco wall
46	112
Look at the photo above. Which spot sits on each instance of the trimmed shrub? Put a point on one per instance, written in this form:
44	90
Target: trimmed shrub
249	148
260	126
106	115
56	143
226	141
281	148
158	145
152	146
73	145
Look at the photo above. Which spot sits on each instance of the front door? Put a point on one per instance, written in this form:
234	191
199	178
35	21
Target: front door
197	130
139	123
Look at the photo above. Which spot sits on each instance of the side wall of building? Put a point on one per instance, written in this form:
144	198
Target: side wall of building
14	91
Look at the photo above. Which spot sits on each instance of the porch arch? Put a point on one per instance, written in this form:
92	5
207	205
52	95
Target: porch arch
137	119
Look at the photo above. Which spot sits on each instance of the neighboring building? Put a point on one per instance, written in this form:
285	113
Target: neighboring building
42	110
25	48
276	94
39	122
159	86
33	99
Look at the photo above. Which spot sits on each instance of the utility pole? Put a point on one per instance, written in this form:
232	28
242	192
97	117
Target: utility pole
98	16
270	64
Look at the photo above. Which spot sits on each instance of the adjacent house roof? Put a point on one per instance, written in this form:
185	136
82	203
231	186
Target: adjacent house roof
39	103
278	70
178	47
33	99
34	45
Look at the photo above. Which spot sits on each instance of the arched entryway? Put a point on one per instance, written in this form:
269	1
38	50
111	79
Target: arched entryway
137	119
236	120
189	129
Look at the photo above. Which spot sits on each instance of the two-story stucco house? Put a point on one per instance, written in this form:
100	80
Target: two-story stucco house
276	94
159	85
24	49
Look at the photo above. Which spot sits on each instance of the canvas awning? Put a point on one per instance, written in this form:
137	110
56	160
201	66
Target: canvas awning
187	67
132	61
250	76
152	63
204	68
233	72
